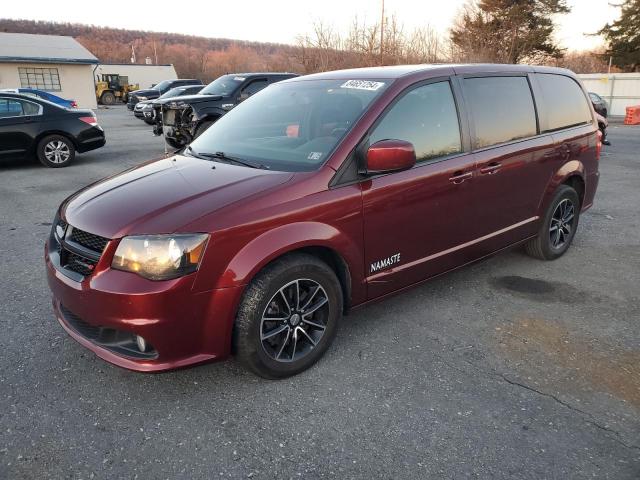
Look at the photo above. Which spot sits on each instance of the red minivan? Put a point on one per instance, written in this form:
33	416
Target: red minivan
317	195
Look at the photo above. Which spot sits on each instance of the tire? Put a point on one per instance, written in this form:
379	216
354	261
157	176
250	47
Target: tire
173	143
55	151
200	129
107	98
562	216
301	338
148	121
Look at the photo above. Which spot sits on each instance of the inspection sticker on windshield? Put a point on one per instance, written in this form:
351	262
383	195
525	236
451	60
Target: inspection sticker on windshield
239	79
315	156
362	85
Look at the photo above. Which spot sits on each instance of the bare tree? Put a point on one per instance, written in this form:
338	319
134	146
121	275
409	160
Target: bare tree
424	46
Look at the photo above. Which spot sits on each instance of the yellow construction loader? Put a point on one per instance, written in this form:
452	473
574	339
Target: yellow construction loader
111	87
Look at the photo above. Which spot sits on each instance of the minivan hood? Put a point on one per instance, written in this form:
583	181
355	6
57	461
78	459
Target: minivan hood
163	195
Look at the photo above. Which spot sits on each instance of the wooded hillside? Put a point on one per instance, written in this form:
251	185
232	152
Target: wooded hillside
193	57
476	37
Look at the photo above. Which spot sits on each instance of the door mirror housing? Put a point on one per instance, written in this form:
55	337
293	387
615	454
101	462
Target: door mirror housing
390	156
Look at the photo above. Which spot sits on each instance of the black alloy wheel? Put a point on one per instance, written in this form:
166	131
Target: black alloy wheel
558	226
294	320
288	316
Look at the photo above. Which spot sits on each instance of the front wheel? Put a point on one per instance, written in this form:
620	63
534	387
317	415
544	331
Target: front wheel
288	317
173	143
558	226
108	98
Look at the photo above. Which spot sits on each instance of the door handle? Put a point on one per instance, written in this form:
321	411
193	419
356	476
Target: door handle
490	169
460	176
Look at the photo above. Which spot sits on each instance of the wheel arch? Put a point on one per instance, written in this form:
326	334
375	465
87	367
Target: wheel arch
571	173
204	114
212	117
319	240
576	182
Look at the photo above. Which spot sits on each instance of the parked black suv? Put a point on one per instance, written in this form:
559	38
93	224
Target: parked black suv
157	90
144	110
185	118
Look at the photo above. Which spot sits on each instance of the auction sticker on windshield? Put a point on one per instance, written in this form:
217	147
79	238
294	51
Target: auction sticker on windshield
362	85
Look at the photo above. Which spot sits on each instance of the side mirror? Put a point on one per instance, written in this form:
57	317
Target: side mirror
390	156
243	96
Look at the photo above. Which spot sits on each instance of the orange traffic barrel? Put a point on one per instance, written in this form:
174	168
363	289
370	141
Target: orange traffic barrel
633	115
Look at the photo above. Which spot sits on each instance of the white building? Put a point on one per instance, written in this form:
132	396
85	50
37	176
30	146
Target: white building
53	63
146	76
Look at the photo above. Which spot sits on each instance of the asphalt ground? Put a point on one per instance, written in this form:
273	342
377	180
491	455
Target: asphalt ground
512	368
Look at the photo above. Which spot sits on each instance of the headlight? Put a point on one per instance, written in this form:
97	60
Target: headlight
160	257
142	98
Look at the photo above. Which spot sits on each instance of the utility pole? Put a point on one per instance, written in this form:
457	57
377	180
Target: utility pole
382	35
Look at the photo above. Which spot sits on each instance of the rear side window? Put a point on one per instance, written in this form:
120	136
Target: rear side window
254	87
17	108
502	109
426	117
10	108
30	108
566	104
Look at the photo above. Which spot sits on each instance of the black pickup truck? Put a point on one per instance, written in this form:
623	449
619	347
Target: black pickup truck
183	119
157	90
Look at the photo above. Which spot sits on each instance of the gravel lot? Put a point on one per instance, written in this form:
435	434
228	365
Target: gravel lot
511	368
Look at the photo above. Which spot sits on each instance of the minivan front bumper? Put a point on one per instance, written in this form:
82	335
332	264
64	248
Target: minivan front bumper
108	309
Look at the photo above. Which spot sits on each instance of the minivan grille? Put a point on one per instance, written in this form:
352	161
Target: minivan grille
79	251
78	263
89	240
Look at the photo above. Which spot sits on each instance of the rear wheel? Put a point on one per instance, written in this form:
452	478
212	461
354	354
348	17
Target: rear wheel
55	151
108	98
558	226
288	317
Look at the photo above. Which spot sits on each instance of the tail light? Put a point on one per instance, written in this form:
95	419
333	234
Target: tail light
93	121
74	104
598	145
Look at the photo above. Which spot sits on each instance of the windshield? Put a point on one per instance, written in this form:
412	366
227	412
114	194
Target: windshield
291	126
223	86
162	85
174	92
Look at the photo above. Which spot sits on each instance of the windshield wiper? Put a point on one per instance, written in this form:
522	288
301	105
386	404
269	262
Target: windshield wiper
223	158
193	153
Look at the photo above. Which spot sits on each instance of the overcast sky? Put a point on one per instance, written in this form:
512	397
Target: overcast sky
283	20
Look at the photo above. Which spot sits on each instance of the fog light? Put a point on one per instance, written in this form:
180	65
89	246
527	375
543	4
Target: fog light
142	344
